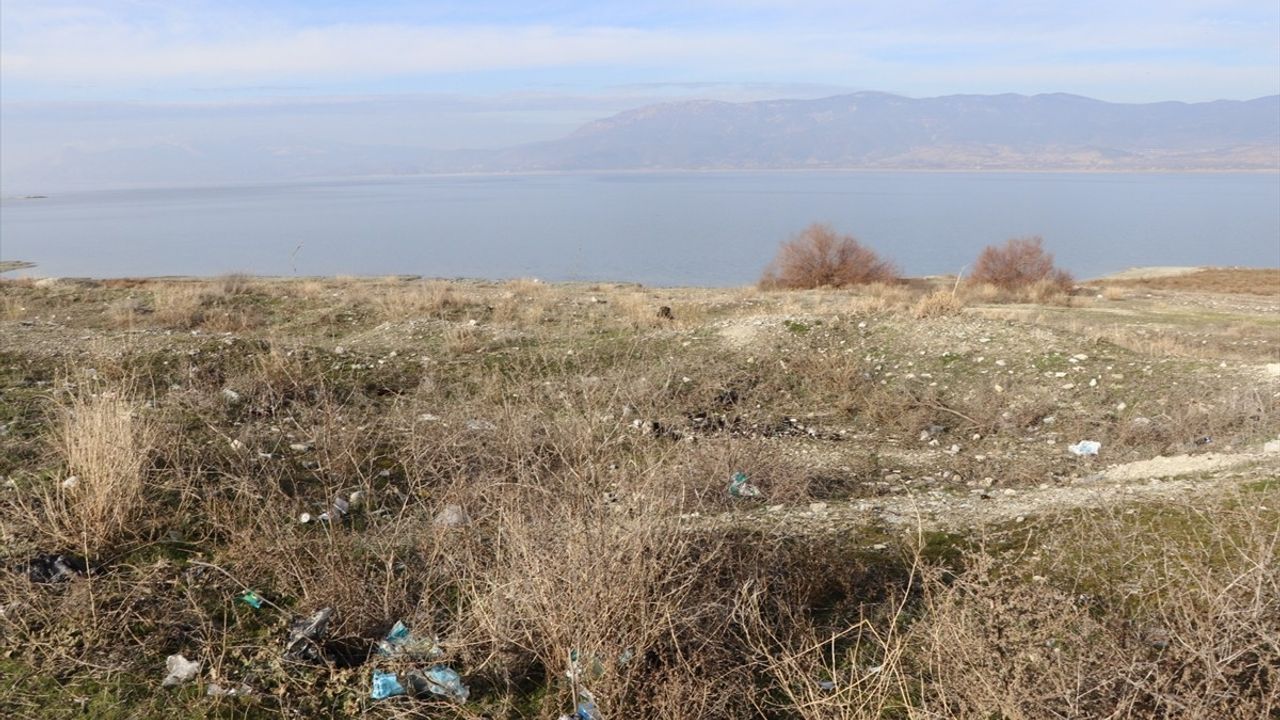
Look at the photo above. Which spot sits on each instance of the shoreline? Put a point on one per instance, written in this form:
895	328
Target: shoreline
34	195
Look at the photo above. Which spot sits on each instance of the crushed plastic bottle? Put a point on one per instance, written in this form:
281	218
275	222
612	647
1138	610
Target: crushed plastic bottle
586	708
443	681
1085	447
400	641
740	487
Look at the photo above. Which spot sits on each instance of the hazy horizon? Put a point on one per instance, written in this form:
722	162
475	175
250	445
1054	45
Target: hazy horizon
172	88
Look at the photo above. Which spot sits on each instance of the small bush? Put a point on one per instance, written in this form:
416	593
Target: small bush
938	303
105	444
818	257
1019	263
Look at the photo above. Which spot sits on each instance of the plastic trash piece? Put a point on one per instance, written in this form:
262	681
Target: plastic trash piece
251	598
827	685
443	681
586	708
340	507
216	690
739	486
304	632
179	669
452	516
385	685
1085	447
577	672
54	568
400	641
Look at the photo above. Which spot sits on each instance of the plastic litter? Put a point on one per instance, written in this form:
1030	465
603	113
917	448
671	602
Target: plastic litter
216	690
251	598
586	708
1085	447
341	507
443	681
180	670
385	685
480	426
739	486
1204	440
827	685
452	516
578	671
303	634
54	568
400	641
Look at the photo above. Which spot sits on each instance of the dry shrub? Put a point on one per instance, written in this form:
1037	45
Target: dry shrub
1167	612
578	579
105	443
854	673
1019	263
818	257
939	303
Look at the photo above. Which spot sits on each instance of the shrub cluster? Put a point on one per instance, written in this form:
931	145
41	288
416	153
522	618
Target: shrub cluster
820	257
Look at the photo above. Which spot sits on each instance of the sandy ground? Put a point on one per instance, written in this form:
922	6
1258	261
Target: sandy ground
1151	272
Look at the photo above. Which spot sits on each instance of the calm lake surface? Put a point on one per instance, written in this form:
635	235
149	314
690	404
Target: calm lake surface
710	229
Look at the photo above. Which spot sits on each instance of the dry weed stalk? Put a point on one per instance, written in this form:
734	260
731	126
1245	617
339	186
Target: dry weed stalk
105	442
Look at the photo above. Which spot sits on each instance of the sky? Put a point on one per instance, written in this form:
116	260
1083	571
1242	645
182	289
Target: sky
88	78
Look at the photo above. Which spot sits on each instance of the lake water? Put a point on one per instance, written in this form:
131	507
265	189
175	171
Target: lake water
709	229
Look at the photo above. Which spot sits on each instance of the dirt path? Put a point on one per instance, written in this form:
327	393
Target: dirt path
1158	479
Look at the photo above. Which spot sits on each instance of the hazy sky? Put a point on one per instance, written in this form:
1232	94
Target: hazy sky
95	77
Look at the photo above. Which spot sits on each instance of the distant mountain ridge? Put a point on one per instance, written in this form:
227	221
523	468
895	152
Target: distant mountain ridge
865	130
882	131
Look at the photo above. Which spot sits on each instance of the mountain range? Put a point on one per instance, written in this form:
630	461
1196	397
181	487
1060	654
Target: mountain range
882	131
865	130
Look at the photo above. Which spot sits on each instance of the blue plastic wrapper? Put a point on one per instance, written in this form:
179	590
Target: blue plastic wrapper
385	685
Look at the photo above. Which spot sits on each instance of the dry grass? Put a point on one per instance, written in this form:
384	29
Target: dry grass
1240	281
397	300
939	303
590	444
819	257
104	442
